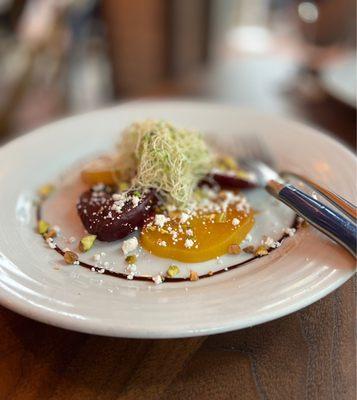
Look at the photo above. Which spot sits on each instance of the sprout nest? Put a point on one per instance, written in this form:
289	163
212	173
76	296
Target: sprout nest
158	155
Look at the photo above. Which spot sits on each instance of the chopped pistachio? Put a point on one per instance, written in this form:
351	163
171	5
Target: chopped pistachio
70	257
172	271
137	194
228	163
123	186
42	226
51	233
234	249
194	276
45	190
249	249
86	243
261	251
131	259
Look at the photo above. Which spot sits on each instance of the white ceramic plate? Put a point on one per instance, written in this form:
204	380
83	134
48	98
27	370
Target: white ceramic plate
304	269
339	79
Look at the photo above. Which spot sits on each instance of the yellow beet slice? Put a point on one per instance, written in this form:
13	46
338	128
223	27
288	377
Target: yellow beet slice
212	235
101	170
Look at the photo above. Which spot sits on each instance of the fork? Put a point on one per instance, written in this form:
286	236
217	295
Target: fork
259	161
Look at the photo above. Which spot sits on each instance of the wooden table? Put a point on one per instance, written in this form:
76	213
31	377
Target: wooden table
307	355
310	354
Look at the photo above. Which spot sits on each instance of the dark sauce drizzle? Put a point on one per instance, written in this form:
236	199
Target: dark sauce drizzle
165	279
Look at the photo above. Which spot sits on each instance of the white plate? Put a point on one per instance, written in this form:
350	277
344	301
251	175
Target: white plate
339	79
304	269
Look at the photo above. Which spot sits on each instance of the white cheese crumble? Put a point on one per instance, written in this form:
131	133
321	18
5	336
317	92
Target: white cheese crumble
290	231
184	217
189	232
157	279
98	187
50	243
160	220
189	243
235	222
131	270
129	245
162	243
135	200
117	196
118	206
270	243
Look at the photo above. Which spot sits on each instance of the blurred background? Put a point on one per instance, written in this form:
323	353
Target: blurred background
286	57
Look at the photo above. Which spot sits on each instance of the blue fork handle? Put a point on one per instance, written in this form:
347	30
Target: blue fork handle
318	214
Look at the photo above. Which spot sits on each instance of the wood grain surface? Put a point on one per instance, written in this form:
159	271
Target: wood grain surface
307	355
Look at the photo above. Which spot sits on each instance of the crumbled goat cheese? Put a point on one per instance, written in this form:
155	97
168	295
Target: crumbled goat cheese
160	220
157	279
135	200
269	242
117	196
162	243
184	217
235	222
290	231
98	187
118	206
189	243
189	232
129	245
51	243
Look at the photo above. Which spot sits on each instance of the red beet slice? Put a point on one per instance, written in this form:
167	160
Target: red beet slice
227	181
95	208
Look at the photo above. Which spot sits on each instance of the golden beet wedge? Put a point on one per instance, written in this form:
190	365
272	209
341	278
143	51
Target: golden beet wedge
101	170
212	234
